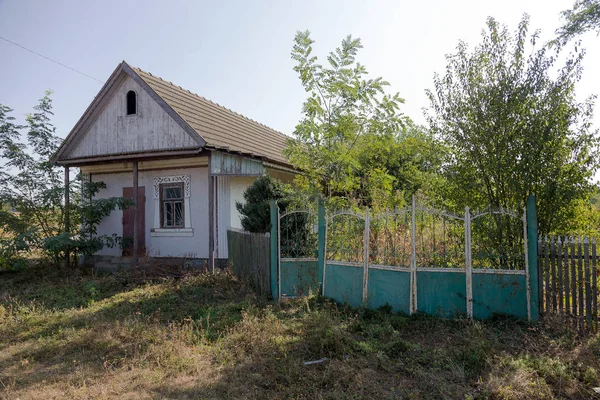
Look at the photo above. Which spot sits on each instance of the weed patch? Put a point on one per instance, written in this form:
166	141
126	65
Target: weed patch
193	335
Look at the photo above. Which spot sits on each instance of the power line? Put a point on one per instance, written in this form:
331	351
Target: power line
50	59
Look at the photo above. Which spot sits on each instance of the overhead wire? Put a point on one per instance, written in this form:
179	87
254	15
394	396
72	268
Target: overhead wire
50	59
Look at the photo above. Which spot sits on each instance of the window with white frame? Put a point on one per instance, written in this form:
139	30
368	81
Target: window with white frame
172	206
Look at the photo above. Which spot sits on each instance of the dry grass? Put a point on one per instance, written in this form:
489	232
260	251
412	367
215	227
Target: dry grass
66	334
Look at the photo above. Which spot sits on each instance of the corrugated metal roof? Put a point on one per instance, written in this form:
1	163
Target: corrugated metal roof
220	127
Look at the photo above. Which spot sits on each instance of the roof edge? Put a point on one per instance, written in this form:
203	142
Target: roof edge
123	67
130	156
166	107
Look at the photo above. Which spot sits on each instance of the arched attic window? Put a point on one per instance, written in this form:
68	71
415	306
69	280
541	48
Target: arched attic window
131	103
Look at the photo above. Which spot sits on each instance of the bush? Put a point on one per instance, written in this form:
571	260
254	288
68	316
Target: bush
255	211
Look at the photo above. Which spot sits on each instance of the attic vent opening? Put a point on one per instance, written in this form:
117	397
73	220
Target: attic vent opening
131	103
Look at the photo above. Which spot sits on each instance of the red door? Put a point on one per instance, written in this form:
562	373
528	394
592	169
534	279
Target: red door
128	221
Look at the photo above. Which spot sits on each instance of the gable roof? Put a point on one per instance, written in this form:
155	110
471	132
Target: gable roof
213	126
220	127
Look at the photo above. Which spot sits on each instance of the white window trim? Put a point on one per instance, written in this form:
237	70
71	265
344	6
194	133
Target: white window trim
174	232
187	230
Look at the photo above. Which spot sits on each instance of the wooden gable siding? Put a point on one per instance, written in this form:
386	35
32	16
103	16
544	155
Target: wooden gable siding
230	164
113	132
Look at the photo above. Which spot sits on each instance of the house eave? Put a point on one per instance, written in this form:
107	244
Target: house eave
77	162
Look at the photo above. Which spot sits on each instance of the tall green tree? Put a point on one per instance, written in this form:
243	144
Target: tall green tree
350	125
509	117
29	182
583	17
32	192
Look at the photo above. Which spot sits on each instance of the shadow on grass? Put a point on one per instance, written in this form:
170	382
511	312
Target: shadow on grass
55	289
257	349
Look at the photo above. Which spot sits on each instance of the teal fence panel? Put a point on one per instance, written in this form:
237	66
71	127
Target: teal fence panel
389	287
441	293
413	260
299	277
344	283
497	293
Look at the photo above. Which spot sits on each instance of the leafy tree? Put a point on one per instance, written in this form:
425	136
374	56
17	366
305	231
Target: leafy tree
513	127
29	183
90	211
255	211
583	17
32	189
348	142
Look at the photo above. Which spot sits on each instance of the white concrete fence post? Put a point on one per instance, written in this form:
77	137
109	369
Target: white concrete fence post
366	257
468	263
413	264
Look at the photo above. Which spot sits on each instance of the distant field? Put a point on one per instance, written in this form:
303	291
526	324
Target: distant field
66	334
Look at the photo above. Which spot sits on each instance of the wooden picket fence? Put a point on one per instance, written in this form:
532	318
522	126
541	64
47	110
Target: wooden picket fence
249	256
568	280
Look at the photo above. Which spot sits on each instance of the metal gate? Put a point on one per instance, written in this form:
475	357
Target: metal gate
298	253
419	259
414	260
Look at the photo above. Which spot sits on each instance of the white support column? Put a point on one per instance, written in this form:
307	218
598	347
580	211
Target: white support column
413	264
366	257
136	215
527	282
279	251
468	263
211	217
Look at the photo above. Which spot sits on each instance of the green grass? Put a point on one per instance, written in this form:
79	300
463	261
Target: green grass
72	334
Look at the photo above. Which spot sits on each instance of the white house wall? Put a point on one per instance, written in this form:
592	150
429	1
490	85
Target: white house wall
114	132
195	246
237	186
229	190
223	215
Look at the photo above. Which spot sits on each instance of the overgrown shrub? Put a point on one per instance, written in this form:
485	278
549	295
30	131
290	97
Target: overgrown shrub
255	211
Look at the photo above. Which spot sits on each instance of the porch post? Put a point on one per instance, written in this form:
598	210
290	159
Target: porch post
67	200
67	208
136	238
211	217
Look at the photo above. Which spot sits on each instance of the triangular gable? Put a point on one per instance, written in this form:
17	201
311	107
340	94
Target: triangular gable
105	130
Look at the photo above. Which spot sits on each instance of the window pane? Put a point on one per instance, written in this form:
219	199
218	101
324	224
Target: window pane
168	214
172	193
131	103
178	213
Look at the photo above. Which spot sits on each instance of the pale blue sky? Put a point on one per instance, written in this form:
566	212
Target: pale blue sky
237	53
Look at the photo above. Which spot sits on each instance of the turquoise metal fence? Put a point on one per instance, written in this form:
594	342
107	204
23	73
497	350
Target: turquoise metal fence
416	260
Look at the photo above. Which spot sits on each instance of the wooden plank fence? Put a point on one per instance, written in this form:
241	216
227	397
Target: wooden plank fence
249	256
568	279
